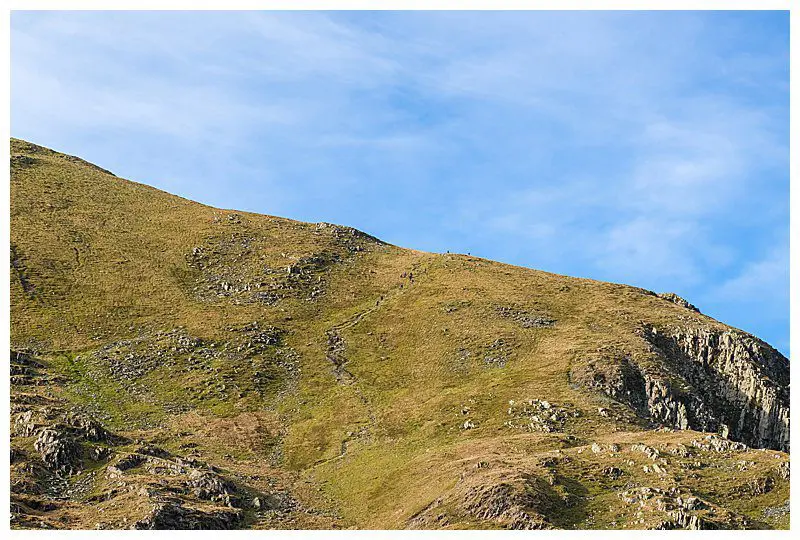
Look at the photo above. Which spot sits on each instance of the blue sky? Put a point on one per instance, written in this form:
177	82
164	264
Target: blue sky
649	148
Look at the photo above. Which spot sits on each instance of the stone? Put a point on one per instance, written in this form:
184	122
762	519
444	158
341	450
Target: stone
209	486
783	470
730	382
58	450
675	299
172	515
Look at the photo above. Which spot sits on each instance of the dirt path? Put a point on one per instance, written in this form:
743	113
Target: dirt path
337	345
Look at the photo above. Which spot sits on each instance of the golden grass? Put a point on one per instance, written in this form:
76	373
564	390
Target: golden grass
105	259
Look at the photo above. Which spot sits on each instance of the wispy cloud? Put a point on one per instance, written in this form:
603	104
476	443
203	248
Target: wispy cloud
760	288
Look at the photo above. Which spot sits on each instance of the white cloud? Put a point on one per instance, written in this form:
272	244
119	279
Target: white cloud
762	282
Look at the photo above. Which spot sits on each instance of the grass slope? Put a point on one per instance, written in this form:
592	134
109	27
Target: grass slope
373	380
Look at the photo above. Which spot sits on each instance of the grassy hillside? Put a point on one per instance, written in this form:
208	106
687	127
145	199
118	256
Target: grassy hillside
373	385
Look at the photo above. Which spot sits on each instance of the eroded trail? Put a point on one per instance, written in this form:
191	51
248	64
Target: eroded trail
336	352
336	344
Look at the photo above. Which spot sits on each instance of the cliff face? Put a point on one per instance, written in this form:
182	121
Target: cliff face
743	382
704	379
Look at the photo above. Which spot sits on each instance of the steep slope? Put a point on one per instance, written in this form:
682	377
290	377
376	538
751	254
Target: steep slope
176	365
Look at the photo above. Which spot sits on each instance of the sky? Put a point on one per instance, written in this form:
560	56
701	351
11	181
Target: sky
647	148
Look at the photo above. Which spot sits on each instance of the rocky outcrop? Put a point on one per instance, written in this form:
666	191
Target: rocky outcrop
706	379
675	299
668	509
336	356
63	438
87	428
713	443
743	382
61	455
506	497
510	504
58	450
24	370
209	486
173	515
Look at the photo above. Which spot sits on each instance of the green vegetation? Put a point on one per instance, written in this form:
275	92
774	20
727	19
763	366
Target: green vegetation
372	382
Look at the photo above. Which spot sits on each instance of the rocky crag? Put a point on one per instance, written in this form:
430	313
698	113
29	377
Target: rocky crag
704	379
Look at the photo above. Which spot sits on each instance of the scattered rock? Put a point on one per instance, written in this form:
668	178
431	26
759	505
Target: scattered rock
525	318
675	299
539	415
649	451
714	443
773	512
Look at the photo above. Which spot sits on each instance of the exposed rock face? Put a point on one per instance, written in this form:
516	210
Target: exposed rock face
59	451
704	379
88	428
173	515
743	381
510	498
336	356
209	486
675	299
676	510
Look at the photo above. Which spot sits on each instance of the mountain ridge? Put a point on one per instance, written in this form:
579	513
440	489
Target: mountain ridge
32	147
333	354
